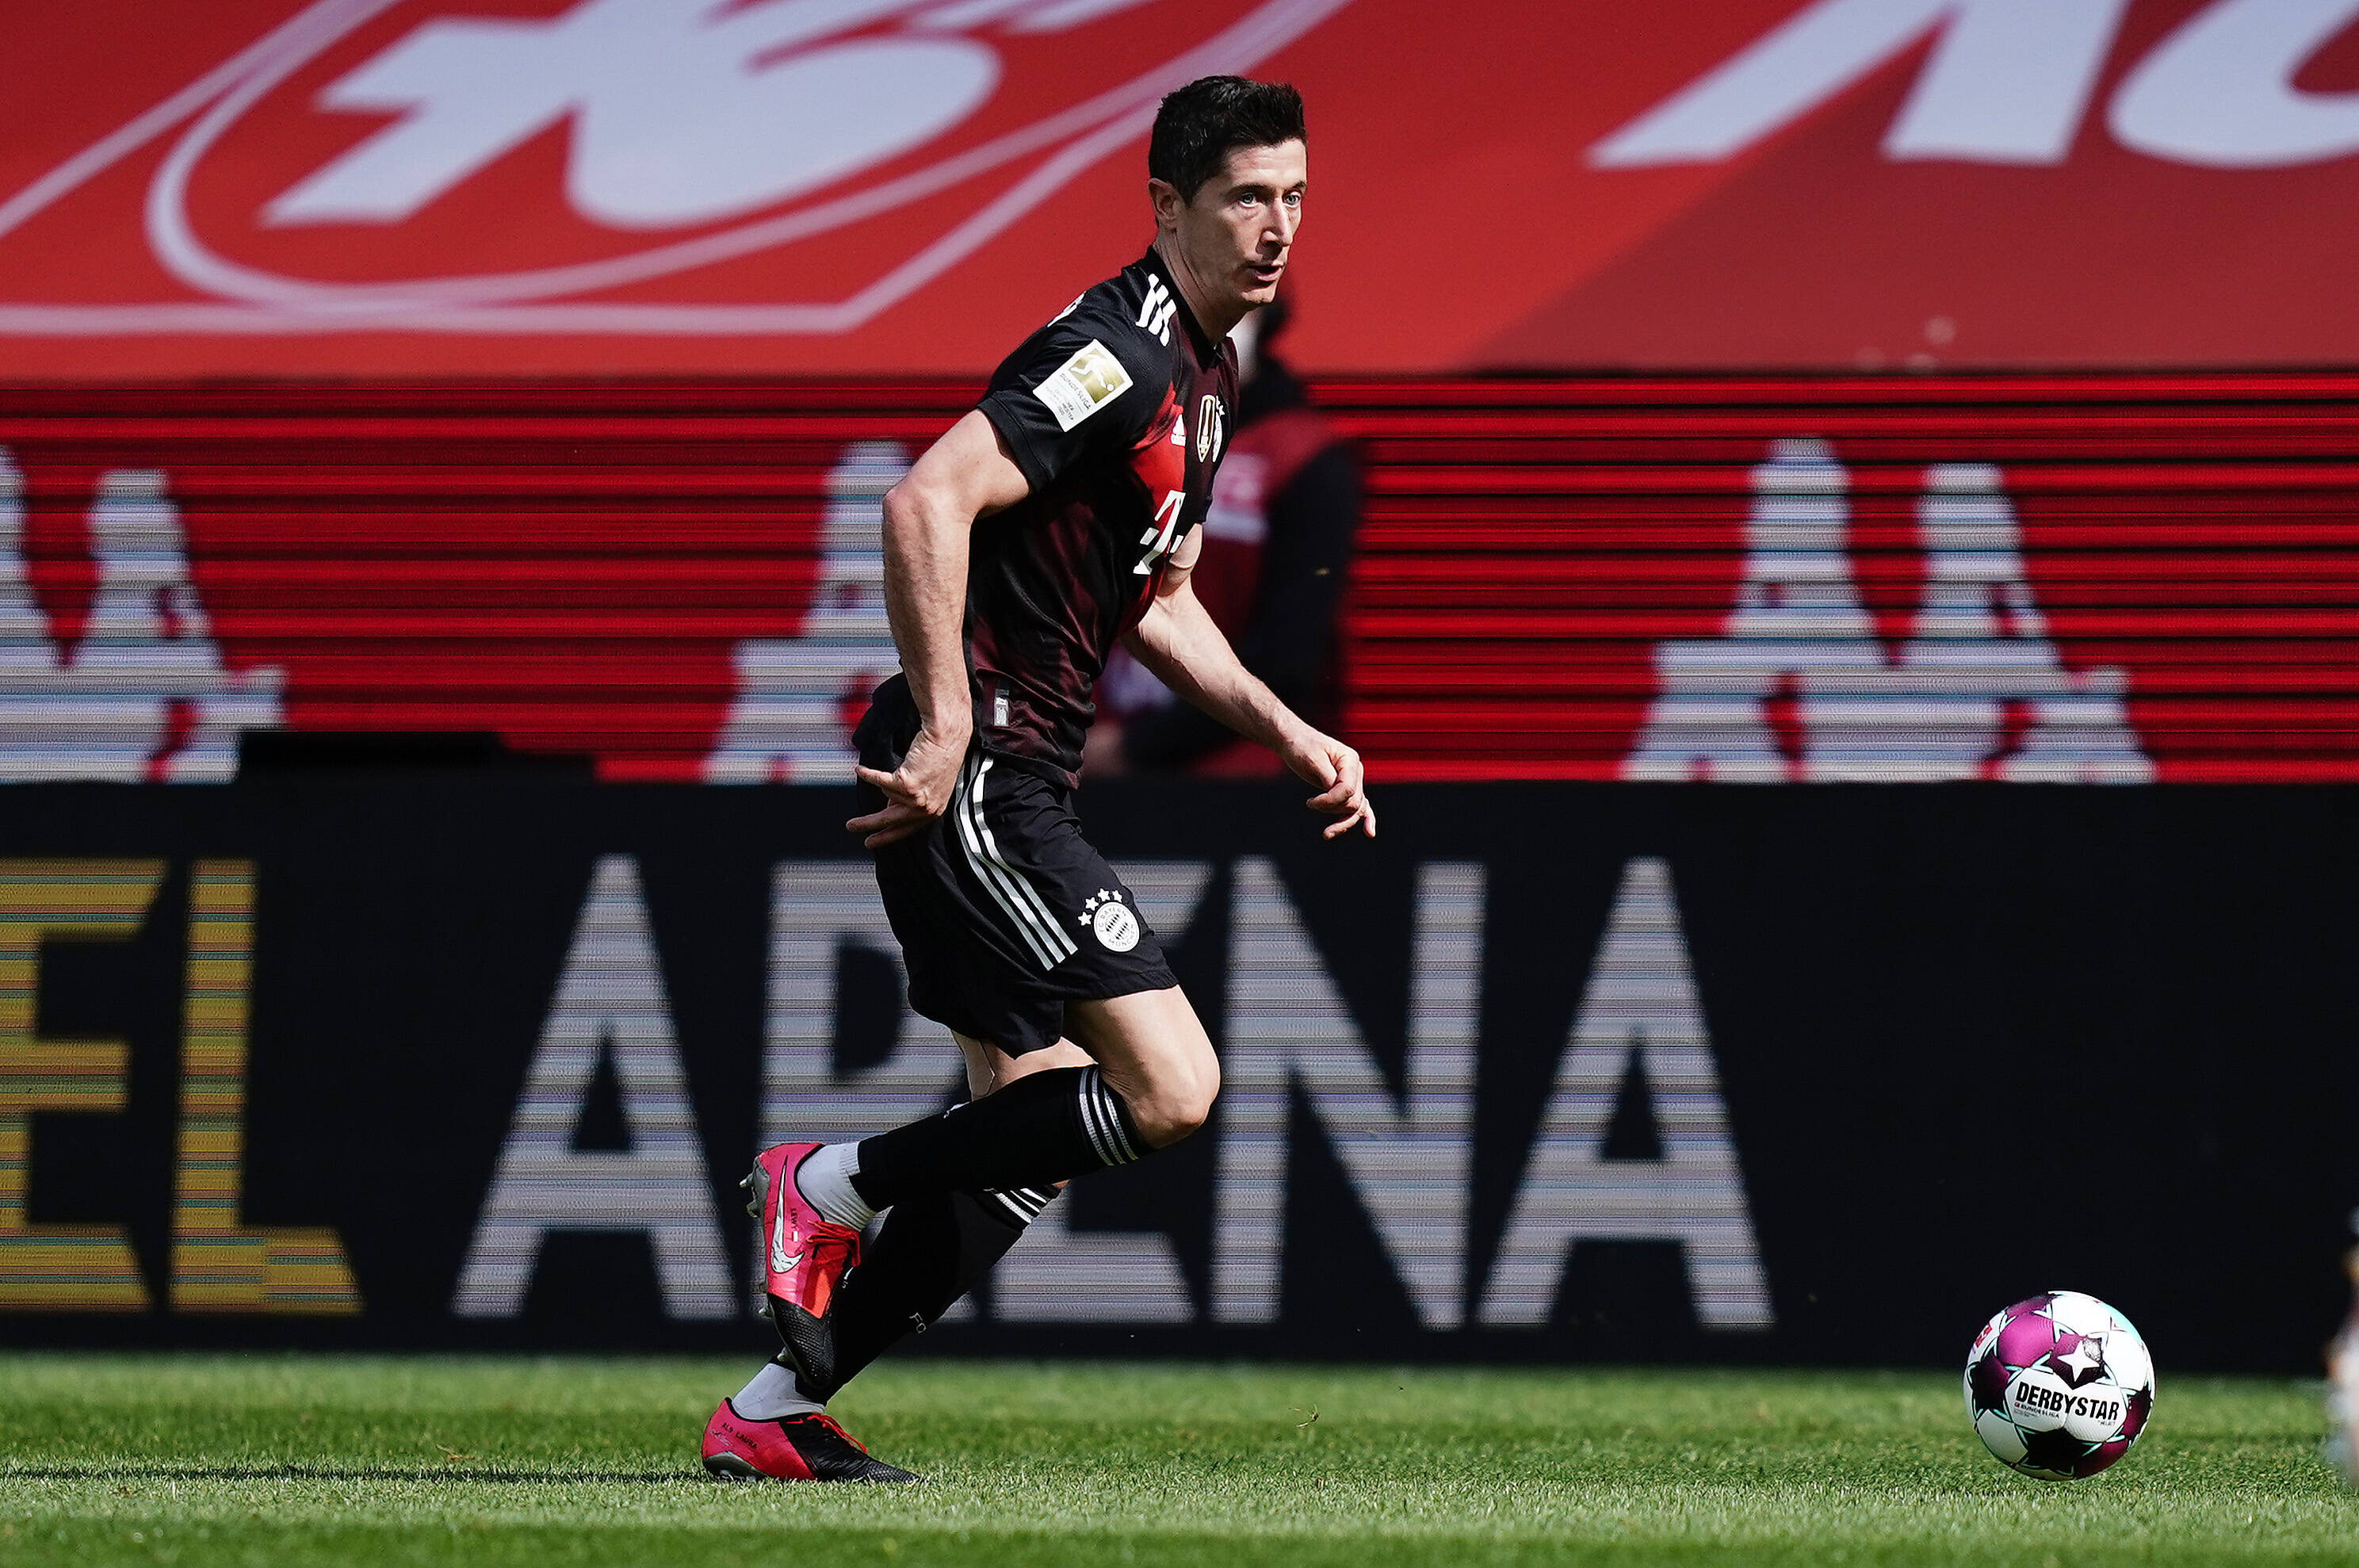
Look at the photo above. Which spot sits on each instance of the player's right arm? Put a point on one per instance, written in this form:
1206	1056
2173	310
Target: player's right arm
929	517
1065	392
1178	642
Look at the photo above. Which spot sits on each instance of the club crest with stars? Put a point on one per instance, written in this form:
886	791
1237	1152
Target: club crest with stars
1111	920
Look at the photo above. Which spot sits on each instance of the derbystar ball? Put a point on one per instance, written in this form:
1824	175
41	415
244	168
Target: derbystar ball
2060	1386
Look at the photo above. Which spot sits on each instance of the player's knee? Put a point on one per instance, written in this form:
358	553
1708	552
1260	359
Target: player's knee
1178	1102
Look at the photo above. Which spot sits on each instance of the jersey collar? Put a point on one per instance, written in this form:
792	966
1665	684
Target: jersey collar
1208	353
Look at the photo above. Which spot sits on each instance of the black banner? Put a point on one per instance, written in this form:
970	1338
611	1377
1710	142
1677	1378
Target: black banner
1814	1074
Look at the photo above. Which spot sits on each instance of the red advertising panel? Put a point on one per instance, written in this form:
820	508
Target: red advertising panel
449	188
2014	579
2031	580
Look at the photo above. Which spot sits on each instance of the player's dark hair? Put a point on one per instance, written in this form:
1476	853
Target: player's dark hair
1201	123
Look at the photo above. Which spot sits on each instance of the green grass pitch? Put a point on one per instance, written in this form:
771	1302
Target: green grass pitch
351	1460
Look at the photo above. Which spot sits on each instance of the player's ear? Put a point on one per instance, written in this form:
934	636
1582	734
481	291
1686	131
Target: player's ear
1169	204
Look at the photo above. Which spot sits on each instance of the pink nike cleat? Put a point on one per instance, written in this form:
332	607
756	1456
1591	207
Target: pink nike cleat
805	1258
798	1448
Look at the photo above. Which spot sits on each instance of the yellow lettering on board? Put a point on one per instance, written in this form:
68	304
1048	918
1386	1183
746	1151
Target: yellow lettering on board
218	1264
56	1268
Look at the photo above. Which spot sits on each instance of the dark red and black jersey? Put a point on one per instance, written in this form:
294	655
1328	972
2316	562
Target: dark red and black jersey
1118	413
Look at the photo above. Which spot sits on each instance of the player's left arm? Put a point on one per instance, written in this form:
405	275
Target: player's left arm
1177	640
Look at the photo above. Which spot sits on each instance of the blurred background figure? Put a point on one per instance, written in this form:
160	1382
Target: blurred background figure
2343	1379
1277	547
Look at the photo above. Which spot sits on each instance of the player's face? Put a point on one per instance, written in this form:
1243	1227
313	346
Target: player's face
1238	229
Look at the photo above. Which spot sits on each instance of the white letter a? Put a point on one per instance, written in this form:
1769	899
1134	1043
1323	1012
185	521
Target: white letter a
1641	999
610	998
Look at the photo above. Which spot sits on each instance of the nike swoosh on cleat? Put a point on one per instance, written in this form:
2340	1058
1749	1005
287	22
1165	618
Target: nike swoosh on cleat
780	1261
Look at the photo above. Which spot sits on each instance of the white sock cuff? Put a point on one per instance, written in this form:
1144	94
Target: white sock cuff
824	1180
773	1395
1024	1203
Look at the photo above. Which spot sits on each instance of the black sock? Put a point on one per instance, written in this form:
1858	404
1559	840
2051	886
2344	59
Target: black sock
1043	1128
929	1252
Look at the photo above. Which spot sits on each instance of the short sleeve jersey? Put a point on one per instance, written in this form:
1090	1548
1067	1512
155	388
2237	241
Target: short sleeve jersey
1118	413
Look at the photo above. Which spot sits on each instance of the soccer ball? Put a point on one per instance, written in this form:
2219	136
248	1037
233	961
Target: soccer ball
2060	1386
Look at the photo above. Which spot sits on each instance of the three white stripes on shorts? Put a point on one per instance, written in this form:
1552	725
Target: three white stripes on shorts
1018	900
1028	912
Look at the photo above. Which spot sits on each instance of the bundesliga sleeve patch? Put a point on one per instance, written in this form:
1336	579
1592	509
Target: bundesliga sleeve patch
1083	385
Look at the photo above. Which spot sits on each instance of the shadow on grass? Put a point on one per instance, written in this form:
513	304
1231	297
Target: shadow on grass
494	1475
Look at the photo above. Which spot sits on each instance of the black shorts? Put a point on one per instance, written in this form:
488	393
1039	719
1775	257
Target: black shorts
1004	912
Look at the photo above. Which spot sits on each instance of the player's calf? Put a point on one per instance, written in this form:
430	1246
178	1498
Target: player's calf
806	1251
1039	1129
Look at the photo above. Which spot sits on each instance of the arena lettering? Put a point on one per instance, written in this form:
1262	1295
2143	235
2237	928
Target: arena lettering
610	1001
1639	1009
829	947
1409	1154
1404	1141
832	960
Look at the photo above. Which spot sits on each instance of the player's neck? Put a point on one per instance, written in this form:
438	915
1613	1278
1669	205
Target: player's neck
1194	297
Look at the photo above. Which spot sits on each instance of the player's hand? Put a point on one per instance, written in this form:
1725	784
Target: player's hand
1327	762
914	793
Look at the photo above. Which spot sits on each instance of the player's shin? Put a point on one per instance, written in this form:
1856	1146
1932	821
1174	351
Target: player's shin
929	1252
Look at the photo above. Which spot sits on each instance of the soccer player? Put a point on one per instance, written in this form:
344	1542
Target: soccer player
1057	518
